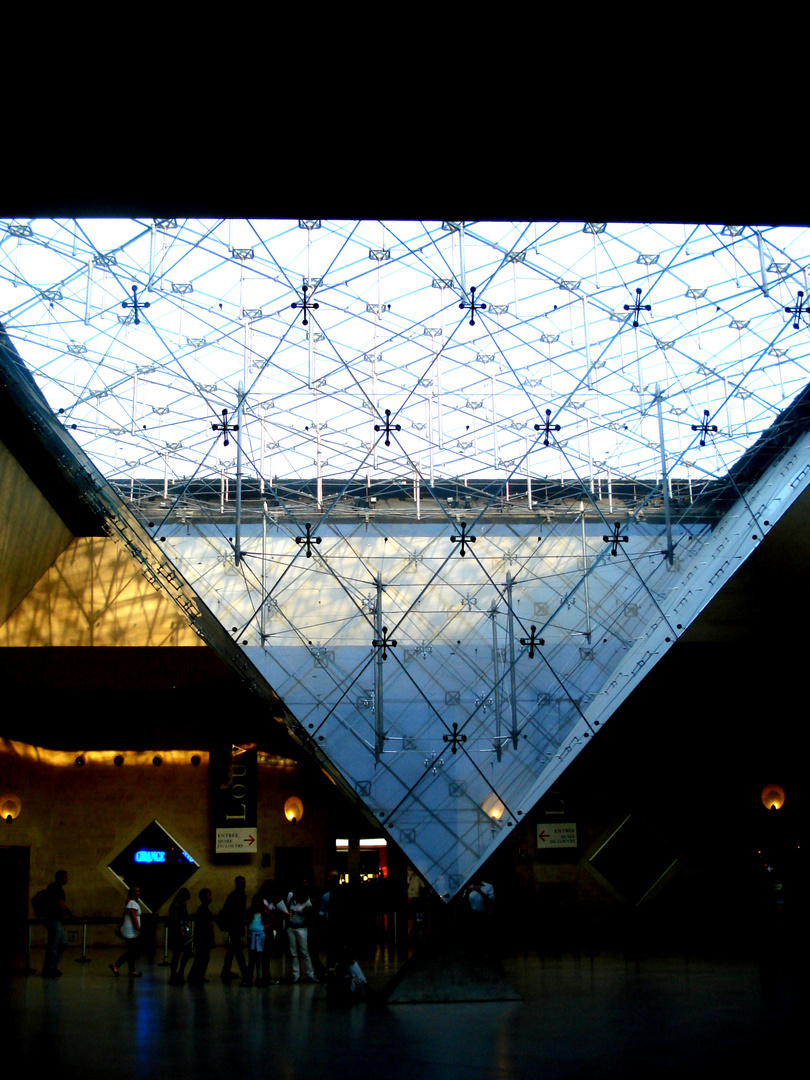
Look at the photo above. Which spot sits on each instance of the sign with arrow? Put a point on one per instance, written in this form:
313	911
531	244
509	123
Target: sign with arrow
230	841
561	834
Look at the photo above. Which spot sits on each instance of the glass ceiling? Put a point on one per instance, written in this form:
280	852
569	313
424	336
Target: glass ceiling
452	486
551	329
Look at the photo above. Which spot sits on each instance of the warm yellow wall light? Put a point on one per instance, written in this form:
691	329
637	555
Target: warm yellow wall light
293	809
10	807
773	797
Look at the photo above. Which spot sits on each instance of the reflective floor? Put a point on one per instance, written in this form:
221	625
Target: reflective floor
604	1016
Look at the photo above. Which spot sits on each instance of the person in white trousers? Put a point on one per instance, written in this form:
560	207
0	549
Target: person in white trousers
298	909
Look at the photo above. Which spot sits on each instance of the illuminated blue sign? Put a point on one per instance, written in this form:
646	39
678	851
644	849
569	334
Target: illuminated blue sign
150	856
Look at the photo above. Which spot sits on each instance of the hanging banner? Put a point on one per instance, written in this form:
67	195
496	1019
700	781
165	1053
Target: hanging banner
233	799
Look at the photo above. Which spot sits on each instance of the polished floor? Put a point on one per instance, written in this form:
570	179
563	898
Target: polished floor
609	1015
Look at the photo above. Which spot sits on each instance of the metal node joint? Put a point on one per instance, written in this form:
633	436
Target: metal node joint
309	539
797	311
224	428
305	305
472	307
384	643
387	427
704	427
532	641
614	540
137	305
455	738
463	539
547	427
637	307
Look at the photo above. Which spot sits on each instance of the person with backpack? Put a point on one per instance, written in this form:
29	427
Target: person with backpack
52	908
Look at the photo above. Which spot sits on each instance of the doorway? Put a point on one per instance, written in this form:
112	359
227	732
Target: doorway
14	880
293	864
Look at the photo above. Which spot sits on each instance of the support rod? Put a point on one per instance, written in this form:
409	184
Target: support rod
512	685
585	566
379	734
669	553
263	614
496	694
240	425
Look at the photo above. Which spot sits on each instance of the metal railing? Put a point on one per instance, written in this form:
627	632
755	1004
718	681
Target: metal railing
92	920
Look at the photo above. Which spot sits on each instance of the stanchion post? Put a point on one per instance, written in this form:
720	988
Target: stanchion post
165	962
28	969
84	958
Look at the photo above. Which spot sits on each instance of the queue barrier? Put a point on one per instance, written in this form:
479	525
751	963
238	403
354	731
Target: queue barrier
92	920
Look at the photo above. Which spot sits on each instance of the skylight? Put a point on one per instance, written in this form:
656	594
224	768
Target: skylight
463	333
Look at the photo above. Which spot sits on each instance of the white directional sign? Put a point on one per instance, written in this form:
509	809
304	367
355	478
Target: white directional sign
236	840
560	834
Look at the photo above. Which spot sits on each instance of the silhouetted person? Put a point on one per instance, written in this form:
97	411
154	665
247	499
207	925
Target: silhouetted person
272	921
255	941
481	904
298	907
232	921
131	933
328	923
181	936
56	910
204	938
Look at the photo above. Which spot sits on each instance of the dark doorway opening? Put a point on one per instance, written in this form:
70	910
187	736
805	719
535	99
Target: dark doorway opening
14	880
293	864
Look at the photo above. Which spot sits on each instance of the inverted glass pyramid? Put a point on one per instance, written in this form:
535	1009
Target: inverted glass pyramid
452	487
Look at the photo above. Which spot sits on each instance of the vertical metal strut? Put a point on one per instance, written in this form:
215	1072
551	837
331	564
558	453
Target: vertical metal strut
586	576
379	734
496	695
239	426
512	685
669	553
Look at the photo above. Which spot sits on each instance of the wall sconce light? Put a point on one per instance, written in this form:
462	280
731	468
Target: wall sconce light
293	809
773	797
493	807
10	807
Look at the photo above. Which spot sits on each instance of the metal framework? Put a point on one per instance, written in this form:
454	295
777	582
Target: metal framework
452	487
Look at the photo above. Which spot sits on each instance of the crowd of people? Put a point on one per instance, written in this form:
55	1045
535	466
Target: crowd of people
274	923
